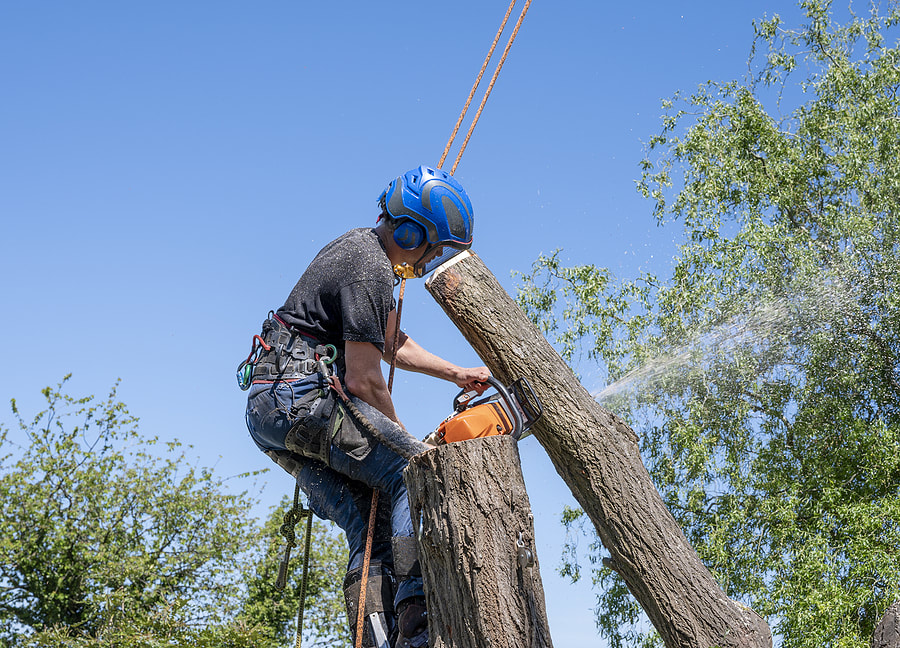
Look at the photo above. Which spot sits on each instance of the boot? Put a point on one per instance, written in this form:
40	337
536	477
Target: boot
379	600
412	623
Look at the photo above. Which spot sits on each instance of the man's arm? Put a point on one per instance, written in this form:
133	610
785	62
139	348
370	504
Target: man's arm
364	378
412	357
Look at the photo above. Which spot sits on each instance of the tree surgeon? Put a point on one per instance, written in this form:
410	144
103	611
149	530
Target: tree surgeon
341	318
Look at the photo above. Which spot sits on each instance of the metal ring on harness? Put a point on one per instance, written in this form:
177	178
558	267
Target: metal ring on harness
333	352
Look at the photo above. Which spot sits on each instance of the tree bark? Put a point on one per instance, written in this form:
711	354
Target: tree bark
887	634
475	533
598	457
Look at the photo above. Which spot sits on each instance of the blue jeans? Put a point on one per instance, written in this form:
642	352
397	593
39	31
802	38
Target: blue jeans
340	489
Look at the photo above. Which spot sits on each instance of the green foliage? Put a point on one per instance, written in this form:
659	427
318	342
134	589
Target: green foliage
113	539
763	373
324	617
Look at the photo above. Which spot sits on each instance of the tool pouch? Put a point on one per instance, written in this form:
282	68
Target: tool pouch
312	417
347	434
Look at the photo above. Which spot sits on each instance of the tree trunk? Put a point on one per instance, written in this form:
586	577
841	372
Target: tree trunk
475	536
598	456
887	634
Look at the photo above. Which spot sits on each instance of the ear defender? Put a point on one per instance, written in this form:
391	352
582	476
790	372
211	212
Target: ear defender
409	235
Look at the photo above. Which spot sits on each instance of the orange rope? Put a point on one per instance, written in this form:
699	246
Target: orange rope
373	509
487	92
477	82
364	581
396	335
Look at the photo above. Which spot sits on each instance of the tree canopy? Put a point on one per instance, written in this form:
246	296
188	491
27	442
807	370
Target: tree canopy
763	373
112	538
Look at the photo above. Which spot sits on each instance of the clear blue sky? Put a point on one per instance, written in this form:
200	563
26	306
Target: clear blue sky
168	169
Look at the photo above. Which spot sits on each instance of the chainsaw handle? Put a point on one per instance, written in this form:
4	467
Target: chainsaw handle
464	398
460	404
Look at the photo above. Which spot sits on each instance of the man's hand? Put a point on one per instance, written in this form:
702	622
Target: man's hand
472	378
412	357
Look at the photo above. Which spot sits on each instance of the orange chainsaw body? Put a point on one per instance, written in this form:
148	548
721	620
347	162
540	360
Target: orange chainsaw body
511	411
487	419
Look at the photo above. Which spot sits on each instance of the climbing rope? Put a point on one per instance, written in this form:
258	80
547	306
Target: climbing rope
352	409
490	87
305	580
290	520
396	335
373	508
484	65
364	582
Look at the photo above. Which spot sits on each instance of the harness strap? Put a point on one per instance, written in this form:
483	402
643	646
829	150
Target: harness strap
282	352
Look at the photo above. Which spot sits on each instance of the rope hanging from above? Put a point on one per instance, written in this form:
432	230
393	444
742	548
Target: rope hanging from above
484	65
374	503
490	87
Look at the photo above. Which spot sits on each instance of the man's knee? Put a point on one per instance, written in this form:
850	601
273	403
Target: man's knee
406	557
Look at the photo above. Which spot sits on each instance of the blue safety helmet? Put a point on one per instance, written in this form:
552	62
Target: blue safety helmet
428	206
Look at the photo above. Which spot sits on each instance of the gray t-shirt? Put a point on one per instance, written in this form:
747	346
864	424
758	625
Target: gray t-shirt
346	292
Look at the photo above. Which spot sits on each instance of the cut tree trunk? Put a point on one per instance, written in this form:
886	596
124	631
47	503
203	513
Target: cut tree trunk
598	457
887	634
476	546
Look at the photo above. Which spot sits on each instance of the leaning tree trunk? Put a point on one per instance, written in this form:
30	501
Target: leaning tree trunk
887	634
476	546
598	456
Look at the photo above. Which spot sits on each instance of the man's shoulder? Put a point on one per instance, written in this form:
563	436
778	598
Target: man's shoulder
357	255
360	238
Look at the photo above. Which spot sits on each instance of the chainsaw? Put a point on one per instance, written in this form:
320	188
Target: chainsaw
512	410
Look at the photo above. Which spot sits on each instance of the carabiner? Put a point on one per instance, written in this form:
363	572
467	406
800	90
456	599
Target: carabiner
244	375
322	368
328	349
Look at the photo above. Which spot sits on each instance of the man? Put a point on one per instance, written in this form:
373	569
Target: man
341	311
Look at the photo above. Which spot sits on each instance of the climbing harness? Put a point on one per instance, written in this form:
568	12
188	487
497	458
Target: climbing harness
282	353
277	335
